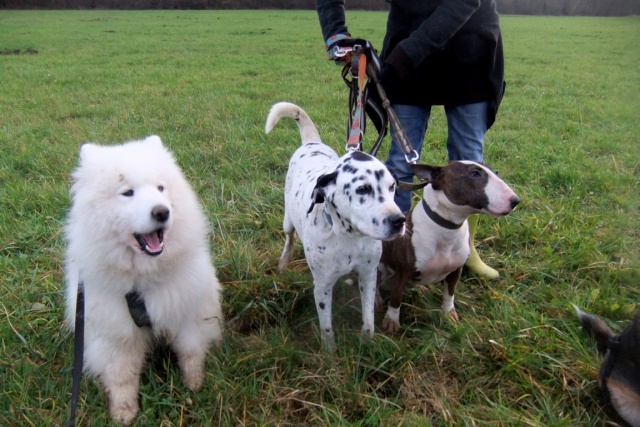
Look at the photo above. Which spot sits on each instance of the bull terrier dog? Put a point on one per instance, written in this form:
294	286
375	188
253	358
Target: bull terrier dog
436	243
341	208
619	376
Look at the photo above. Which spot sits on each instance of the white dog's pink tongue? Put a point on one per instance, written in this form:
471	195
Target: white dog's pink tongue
153	241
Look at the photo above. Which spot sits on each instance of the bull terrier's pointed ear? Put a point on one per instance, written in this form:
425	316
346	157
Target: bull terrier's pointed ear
427	173
319	193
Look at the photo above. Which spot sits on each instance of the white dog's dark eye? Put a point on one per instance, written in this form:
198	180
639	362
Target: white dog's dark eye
364	189
128	193
161	188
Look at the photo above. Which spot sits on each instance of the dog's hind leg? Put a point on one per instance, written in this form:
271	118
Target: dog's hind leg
290	233
447	294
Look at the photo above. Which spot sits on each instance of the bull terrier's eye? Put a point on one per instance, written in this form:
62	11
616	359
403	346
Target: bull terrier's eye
475	174
128	193
161	188
364	189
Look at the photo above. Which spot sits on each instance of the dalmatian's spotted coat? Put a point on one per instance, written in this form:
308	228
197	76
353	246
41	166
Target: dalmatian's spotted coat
341	208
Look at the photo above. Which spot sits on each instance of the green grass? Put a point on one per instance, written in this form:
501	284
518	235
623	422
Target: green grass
566	138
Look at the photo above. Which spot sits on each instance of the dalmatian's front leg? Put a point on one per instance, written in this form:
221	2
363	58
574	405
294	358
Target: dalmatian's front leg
367	282
323	293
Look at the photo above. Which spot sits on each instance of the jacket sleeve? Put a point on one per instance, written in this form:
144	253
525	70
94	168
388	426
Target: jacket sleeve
332	19
432	34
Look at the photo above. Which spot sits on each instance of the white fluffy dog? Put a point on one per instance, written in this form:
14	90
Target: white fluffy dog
136	231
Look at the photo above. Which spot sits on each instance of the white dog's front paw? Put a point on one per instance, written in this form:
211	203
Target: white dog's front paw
123	409
192	368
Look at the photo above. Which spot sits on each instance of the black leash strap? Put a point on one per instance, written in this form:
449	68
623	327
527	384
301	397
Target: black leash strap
78	355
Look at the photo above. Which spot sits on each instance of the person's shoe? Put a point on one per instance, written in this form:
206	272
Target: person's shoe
474	263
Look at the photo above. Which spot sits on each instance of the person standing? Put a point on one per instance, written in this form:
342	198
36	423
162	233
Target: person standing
435	52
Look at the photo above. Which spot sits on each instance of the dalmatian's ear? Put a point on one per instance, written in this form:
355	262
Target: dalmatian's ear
319	193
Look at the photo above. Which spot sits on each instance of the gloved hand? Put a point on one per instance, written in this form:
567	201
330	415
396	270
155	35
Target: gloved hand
340	46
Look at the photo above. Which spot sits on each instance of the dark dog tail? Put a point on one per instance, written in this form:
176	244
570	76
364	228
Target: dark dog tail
308	131
597	329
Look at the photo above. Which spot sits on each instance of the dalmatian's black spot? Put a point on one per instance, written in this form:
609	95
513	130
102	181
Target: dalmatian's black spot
321	305
380	199
360	156
349	169
374	221
379	174
318	153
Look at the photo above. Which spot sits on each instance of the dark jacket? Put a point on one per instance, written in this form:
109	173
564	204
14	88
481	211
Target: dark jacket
444	52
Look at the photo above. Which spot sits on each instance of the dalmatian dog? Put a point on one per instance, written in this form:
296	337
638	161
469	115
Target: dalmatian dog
341	208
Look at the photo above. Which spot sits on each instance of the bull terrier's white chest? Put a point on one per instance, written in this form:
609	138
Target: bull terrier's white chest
439	252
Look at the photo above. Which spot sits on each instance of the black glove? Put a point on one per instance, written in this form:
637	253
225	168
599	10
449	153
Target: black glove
339	48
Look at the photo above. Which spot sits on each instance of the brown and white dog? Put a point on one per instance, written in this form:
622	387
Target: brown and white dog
435	246
619	376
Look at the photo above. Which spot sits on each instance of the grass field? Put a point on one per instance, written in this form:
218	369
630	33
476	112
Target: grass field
567	139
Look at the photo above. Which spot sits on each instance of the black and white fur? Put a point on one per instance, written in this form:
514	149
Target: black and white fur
341	208
430	252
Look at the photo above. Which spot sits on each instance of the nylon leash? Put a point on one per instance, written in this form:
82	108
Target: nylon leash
365	63
78	355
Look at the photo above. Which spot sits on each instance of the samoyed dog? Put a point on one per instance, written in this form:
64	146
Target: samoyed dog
137	243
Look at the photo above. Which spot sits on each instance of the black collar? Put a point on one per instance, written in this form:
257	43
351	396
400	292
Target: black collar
444	223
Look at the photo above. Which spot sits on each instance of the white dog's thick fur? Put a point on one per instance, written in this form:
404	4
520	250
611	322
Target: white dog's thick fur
135	224
341	208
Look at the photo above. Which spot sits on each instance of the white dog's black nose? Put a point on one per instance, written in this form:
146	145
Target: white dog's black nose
160	213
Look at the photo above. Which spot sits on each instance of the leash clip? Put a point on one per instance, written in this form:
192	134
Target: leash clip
414	159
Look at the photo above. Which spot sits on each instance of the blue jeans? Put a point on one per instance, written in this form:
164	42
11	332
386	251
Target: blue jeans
466	126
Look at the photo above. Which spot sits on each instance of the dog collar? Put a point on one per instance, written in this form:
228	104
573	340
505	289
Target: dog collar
444	223
137	309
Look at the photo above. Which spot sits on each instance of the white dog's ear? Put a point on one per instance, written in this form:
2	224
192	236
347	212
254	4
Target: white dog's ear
319	192
88	150
154	139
